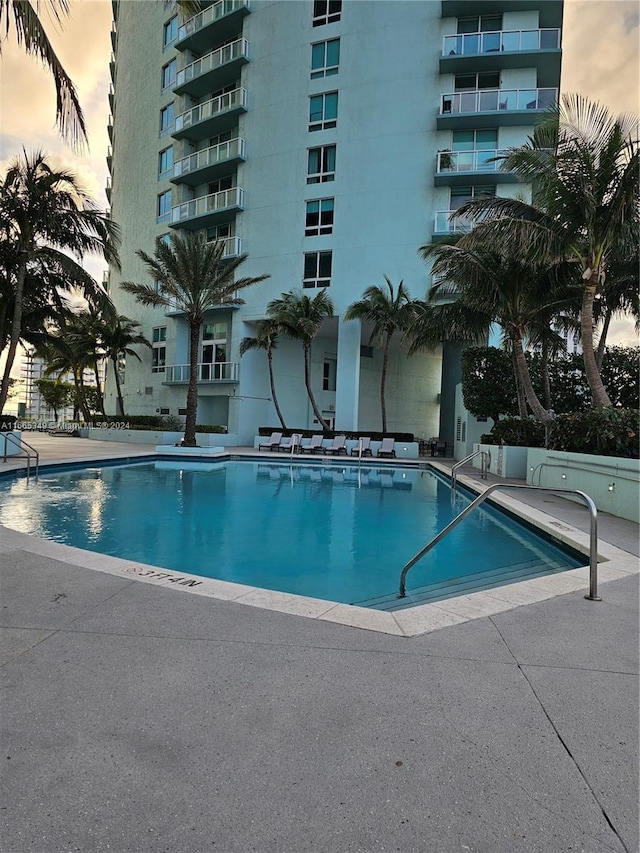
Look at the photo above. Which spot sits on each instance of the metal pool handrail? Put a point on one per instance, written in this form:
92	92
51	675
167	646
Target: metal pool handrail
23	445
483	470
593	537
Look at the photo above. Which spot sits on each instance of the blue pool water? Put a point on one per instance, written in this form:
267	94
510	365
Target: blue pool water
338	532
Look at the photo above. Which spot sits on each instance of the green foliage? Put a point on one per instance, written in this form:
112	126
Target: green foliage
56	395
621	375
516	432
488	387
604	431
172	423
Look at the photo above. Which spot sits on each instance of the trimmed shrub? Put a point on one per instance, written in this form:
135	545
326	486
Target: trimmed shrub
604	431
516	432
211	428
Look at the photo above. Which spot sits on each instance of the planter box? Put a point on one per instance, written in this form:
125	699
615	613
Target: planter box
7	446
504	460
159	437
613	483
172	450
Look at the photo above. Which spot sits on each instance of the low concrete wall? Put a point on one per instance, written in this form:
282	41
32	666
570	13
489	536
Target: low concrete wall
504	460
613	483
148	436
8	447
404	449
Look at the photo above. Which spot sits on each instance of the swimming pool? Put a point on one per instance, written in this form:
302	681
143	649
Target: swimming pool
337	532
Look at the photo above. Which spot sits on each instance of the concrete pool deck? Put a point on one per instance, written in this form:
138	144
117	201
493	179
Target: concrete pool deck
135	719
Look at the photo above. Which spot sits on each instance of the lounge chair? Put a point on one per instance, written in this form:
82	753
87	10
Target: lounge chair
315	446
291	443
387	448
440	448
363	447
338	446
273	443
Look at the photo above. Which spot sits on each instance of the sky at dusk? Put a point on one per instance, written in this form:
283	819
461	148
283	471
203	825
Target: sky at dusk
600	60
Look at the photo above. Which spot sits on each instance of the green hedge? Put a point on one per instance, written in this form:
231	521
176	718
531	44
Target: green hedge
351	435
604	431
516	432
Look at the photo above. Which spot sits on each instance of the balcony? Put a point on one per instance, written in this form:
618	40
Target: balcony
110	158
222	20
207	210
204	166
114	35
493	51
446	223
232	247
112	67
112	98
214	70
470	168
494	107
110	129
212	117
549	12
107	190
178	374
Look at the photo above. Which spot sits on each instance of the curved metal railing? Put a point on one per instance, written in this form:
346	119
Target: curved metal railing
486	461
27	449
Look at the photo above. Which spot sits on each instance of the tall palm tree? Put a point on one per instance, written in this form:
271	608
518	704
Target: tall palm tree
191	276
118	335
47	218
584	166
490	287
266	338
30	32
300	318
387	312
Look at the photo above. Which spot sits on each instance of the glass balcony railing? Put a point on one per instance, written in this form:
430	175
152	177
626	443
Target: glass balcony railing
488	100
501	41
209	109
212	203
446	220
232	246
226	371
238	49
469	161
220	153
209	16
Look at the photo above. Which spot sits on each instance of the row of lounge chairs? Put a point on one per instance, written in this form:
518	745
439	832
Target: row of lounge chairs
338	447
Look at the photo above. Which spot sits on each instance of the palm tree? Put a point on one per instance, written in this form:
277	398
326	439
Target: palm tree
300	318
31	33
489	287
118	335
191	276
45	214
387	313
267	339
584	167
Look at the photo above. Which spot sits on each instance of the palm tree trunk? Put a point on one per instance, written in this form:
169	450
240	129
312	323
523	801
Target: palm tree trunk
598	391
16	327
192	392
383	382
307	382
522	400
273	389
603	338
98	386
82	400
114	359
546	382
525	377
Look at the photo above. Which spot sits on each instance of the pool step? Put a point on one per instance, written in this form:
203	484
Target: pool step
462	585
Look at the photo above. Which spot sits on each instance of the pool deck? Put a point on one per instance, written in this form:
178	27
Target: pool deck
138	719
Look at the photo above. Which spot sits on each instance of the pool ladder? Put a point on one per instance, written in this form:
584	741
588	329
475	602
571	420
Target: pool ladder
27	450
593	536
484	466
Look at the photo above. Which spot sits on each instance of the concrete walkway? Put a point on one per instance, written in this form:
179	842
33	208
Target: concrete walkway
136	719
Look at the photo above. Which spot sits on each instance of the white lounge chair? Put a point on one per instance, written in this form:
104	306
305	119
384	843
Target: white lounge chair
315	446
338	446
273	443
291	443
387	448
363	447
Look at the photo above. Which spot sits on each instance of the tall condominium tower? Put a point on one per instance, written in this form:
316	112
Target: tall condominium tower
328	140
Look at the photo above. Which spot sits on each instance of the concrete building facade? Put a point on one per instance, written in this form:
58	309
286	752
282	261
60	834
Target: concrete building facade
328	140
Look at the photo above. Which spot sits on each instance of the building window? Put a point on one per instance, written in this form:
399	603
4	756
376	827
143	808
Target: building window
473	82
321	166
213	351
164	206
319	219
317	269
170	32
158	349
169	74
323	111
325	58
166	120
221	184
461	195
326	12
165	163
329	372
166	239
219	232
480	24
